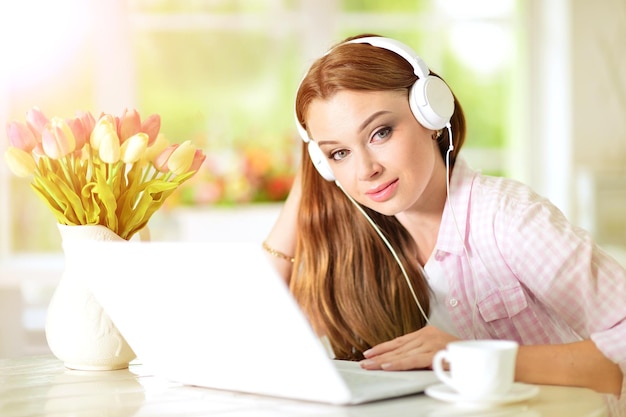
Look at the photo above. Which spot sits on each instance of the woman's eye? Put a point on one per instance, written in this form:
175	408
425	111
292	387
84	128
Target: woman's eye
383	133
338	155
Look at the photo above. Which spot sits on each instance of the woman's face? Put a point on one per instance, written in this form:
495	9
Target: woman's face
376	148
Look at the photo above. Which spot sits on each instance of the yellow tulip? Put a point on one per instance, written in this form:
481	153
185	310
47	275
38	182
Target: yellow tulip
133	148
109	151
105	141
156	148
181	159
20	162
103	126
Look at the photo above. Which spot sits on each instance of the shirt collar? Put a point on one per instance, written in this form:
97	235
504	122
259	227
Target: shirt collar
456	210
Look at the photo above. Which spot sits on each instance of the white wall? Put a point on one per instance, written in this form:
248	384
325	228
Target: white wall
571	143
598	129
543	137
599	83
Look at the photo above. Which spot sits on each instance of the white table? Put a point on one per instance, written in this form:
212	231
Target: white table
41	386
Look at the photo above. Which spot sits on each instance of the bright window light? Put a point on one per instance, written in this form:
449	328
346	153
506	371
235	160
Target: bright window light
38	36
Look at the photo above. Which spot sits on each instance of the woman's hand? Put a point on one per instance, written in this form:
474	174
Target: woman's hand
411	351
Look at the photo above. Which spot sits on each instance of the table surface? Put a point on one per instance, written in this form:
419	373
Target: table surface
42	386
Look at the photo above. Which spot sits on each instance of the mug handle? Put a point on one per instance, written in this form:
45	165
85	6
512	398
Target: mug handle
438	367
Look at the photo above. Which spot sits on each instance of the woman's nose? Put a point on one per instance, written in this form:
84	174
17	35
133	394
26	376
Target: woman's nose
368	167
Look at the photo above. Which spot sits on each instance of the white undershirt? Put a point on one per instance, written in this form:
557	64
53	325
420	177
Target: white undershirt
438	282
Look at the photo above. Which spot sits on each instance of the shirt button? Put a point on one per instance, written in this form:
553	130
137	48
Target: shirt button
453	302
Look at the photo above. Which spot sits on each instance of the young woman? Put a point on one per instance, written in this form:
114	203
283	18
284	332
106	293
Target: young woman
478	257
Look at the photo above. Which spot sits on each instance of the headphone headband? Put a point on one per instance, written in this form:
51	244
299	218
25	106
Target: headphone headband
419	66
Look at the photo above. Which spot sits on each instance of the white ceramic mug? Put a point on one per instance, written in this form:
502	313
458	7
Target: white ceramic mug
478	368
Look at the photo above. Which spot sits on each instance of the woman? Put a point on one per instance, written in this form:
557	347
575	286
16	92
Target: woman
498	260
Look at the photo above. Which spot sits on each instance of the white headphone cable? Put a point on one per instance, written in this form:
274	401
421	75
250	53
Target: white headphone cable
456	224
390	247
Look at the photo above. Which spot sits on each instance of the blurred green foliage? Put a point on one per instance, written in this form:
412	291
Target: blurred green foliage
223	73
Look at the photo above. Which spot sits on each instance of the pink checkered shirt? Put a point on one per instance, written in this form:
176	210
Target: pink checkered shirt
534	277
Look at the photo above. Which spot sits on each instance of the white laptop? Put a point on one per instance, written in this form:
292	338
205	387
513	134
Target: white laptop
217	315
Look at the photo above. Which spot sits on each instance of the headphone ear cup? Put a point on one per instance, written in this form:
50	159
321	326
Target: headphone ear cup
319	161
432	102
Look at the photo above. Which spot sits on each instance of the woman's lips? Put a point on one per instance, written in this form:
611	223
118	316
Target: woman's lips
383	192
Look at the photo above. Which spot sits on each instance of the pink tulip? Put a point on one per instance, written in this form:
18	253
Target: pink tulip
36	120
21	136
129	124
80	132
151	126
57	138
87	119
198	160
160	162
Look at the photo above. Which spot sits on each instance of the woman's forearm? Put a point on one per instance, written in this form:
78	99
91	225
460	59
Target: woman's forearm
574	364
282	236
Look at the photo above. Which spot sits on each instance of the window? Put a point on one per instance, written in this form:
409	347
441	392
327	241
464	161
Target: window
224	74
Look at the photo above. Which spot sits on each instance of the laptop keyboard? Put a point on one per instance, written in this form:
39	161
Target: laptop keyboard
363	383
355	377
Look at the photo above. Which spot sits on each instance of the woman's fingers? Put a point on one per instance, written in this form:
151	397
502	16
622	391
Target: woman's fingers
411	351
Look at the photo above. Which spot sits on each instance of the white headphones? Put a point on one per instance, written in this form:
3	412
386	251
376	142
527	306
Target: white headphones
430	99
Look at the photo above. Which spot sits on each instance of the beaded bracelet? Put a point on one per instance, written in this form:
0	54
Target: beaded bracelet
277	253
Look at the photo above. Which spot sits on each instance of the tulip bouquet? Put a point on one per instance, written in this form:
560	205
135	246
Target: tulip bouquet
112	171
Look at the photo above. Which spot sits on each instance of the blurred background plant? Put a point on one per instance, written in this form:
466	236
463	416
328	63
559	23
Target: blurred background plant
238	175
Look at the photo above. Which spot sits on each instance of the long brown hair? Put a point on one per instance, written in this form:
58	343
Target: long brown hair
345	278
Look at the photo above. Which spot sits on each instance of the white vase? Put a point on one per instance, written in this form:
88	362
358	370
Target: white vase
78	330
